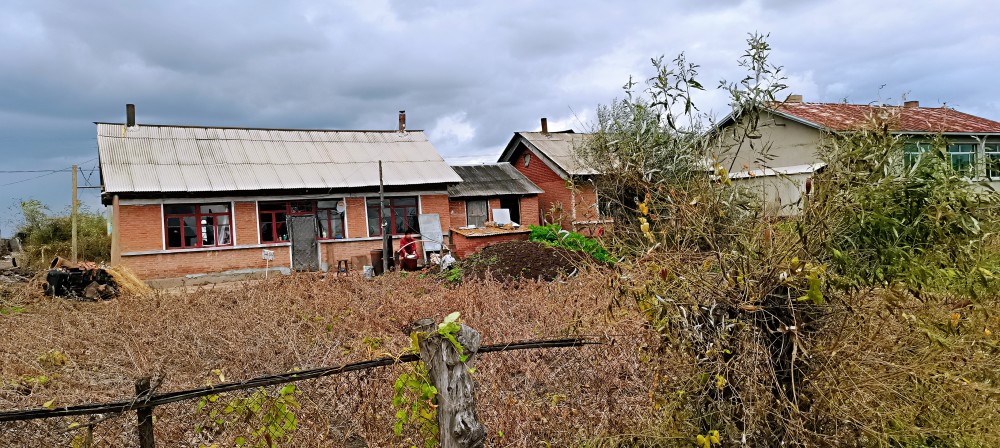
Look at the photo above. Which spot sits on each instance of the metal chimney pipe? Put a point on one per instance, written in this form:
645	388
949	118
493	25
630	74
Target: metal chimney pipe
402	121
130	115
545	125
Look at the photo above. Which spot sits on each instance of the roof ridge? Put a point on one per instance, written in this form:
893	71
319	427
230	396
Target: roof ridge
191	126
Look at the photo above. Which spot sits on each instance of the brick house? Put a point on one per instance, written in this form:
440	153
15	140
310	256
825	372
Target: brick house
197	199
485	188
793	132
549	160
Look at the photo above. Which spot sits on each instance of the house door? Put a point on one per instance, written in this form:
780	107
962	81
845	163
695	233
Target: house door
305	249
512	203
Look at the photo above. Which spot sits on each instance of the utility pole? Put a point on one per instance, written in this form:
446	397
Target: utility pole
73	218
386	246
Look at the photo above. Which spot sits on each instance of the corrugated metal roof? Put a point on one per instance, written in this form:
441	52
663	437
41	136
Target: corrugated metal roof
845	117
159	158
491	180
560	148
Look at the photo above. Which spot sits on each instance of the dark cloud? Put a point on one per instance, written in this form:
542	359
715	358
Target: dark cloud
470	73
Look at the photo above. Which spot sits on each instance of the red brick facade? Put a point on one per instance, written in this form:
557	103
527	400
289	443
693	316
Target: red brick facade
559	202
142	241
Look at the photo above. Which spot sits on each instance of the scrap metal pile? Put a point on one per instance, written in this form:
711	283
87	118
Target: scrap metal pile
83	281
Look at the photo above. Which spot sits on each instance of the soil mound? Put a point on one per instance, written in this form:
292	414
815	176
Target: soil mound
523	259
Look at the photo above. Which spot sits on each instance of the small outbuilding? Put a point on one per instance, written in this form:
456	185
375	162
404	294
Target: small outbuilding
483	190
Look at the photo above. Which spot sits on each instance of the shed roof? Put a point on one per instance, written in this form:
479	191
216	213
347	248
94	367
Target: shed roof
845	117
559	148
491	180
167	158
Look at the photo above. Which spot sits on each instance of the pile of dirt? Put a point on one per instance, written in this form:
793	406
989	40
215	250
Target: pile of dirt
523	259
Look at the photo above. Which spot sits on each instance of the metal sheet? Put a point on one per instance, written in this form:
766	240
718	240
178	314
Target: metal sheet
491	180
199	159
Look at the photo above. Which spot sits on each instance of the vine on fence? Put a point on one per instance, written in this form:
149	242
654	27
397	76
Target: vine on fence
273	417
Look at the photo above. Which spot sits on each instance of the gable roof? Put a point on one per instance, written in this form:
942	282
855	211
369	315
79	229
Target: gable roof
915	120
491	180
557	149
166	158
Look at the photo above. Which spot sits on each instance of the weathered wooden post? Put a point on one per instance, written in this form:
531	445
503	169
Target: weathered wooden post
145	415
456	397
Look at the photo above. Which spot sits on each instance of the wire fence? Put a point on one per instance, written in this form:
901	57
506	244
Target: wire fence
110	422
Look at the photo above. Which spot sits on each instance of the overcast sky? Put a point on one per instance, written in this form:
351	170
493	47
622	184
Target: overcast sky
469	73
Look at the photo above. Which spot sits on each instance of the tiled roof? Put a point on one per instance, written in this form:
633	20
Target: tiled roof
845	117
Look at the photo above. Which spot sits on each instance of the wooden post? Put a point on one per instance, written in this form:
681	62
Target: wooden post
144	415
73	219
386	244
116	243
456	400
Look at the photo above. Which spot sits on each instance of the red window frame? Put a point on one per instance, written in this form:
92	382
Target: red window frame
197	215
395	210
268	211
331	216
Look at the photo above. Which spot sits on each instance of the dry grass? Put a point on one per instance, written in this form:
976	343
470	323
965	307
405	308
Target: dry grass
598	395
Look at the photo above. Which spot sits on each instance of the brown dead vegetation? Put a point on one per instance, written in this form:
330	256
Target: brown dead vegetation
558	396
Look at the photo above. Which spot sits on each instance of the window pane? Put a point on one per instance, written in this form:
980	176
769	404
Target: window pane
173	232
208	231
190	237
323	218
266	228
399	202
332	204
373	221
280	226
215	208
272	206
178	209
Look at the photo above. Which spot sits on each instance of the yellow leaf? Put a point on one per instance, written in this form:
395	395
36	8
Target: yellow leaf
955	318
50	404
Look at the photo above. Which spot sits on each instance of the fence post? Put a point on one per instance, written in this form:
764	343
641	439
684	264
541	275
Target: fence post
456	412
144	415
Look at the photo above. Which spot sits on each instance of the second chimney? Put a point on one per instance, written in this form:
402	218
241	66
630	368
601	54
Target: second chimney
545	125
794	99
913	104
130	115
402	121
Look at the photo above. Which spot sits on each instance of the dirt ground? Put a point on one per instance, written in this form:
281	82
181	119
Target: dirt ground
524	259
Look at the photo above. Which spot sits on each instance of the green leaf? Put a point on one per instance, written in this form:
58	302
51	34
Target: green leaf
453	317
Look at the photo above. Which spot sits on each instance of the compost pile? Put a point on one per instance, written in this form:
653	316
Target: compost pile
524	259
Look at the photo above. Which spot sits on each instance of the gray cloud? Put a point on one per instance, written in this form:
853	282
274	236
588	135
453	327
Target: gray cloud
471	72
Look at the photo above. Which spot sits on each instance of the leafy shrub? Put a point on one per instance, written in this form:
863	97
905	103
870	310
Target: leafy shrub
553	235
46	236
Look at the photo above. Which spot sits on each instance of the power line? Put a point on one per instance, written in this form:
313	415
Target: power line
47	173
34	171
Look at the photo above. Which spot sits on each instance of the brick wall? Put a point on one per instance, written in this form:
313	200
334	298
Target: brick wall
529	211
554	191
181	263
245	218
586	203
357	224
141	227
437	203
465	246
458	213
